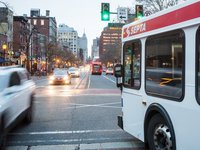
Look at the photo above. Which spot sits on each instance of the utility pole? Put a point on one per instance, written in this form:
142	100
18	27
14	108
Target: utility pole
28	52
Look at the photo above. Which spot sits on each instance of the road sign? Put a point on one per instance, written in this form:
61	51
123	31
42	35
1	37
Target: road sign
122	13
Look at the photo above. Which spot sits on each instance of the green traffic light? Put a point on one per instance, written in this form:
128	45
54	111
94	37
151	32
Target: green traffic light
105	11
140	16
139	11
105	17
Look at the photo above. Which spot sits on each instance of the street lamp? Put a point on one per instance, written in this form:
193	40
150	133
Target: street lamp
4	47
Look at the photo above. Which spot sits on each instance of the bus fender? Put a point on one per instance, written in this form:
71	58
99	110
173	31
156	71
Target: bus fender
153	109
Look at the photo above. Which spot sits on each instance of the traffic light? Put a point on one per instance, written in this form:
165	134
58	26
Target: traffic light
105	11
139	11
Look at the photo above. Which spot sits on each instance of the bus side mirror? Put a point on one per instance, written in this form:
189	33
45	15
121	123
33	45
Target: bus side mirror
118	70
118	74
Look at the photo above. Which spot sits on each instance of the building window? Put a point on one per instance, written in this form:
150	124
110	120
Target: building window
42	22
34	22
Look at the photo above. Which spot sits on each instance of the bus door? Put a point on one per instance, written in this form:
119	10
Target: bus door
131	92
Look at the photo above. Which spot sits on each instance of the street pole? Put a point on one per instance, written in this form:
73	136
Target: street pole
28	50
46	65
4	52
31	60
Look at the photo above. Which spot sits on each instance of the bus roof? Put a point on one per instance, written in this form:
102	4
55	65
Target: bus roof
183	15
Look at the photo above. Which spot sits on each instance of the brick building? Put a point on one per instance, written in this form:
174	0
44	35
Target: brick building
46	37
21	33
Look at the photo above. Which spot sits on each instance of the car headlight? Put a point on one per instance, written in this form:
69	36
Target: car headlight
52	78
66	78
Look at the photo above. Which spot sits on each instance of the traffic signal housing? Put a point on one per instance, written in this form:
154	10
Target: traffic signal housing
105	11
139	13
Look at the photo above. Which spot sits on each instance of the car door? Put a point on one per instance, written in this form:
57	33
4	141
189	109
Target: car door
13	97
25	90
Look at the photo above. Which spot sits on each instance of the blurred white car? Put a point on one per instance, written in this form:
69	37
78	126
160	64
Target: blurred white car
109	71
16	98
74	72
60	76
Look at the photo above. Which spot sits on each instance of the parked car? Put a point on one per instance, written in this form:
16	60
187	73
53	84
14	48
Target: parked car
74	72
60	76
109	71
17	92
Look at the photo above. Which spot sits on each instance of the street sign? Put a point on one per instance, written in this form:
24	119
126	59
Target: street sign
122	13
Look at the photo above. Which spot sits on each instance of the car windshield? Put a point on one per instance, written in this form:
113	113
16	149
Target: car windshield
3	83
73	69
59	73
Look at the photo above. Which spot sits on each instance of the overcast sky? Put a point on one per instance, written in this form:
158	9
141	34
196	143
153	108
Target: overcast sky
79	14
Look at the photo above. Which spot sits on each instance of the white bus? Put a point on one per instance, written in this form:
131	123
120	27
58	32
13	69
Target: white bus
160	78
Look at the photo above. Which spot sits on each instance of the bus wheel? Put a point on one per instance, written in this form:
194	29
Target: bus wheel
159	134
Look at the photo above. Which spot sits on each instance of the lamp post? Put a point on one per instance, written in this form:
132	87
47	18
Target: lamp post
4	47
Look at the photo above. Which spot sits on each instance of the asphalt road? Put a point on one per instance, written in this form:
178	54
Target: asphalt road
82	115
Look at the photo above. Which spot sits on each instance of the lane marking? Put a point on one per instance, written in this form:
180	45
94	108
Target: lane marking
65	132
80	80
109	79
78	95
74	105
98	105
134	143
89	81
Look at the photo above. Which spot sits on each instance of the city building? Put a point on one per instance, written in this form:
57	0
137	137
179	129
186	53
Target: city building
68	37
46	39
6	34
95	48
21	34
83	50
45	25
110	43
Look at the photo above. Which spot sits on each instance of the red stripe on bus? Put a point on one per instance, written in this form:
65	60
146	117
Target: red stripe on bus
184	14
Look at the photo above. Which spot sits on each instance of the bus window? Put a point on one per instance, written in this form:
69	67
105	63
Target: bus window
127	65
132	54
198	64
164	64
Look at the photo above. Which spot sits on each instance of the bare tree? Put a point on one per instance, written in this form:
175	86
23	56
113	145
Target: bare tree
153	6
